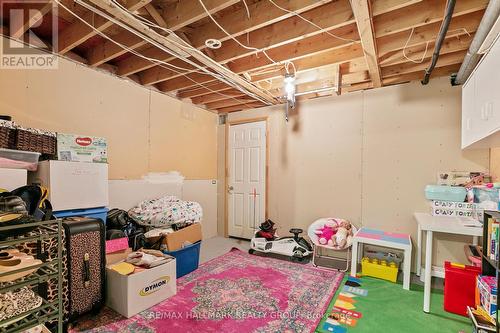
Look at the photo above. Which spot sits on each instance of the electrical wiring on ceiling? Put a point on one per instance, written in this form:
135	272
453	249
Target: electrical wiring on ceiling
426	44
156	61
232	37
406	45
312	23
187	45
167	50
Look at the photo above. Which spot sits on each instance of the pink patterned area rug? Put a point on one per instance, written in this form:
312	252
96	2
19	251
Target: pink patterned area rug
236	292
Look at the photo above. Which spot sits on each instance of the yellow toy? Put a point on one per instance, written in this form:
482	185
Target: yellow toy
379	269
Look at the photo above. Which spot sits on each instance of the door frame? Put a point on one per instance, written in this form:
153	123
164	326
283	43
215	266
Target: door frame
226	166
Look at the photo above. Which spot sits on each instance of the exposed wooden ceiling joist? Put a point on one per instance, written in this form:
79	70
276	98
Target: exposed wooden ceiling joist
363	15
79	32
171	44
19	24
422	13
173	20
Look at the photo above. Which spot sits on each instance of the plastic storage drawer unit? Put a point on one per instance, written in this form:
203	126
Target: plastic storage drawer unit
187	258
445	193
459	287
97	213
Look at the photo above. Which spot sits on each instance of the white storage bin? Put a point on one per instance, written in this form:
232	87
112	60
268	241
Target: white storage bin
73	185
10	179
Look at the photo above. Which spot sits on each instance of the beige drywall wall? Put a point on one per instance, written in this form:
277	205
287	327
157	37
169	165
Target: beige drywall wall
364	156
146	130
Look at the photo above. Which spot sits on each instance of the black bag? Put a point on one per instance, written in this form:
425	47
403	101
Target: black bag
119	220
85	245
35	199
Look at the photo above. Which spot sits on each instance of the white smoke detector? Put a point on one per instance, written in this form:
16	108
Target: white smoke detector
212	43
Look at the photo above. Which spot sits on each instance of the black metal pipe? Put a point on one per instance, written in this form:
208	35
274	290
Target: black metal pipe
450	6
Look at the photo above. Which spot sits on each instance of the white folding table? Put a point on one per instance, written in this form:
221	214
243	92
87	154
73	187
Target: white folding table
442	224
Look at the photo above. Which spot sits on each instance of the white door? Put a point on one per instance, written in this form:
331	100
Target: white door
247	178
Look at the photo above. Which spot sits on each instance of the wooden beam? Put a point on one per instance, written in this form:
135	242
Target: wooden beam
262	13
214	97
108	50
409	67
240	107
413	76
29	18
79	32
422	13
217	86
330	16
416	53
312	45
185	12
383	6
362	13
339	55
458	26
229	102
135	64
316	62
170	43
156	15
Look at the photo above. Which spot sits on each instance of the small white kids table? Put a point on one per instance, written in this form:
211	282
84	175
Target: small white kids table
385	239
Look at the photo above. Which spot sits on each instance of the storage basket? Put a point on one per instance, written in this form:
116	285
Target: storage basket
7	134
31	140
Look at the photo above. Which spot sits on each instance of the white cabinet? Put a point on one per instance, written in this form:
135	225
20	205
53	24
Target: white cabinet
481	103
73	185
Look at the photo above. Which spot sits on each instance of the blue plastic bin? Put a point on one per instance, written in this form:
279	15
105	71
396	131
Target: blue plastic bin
445	193
187	258
98	213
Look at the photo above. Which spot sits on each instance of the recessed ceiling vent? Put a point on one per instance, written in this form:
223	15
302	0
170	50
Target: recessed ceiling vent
213	43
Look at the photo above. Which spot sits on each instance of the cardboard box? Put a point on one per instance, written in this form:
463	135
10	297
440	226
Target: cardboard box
113	258
454	205
175	240
81	148
131	294
486	294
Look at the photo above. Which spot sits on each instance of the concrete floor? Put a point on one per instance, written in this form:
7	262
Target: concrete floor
217	246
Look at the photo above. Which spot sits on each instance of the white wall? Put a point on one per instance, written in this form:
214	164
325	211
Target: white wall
364	156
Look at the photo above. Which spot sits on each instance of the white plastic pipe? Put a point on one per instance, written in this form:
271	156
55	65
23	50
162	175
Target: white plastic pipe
472	57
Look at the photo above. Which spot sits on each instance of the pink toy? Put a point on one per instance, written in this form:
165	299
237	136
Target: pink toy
325	235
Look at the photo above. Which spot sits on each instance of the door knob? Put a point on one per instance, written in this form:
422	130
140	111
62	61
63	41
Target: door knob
230	188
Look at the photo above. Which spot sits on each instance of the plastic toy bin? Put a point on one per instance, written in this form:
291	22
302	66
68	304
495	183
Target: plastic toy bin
187	258
445	193
98	213
459	287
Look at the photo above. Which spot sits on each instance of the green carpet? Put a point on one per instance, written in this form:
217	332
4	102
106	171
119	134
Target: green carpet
389	308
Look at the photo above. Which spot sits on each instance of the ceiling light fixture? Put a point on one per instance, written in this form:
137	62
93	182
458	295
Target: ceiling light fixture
289	92
213	43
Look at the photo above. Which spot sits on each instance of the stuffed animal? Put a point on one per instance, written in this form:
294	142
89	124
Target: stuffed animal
325	235
343	237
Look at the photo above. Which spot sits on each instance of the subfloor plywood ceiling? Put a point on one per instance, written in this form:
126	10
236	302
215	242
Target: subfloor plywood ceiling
341	44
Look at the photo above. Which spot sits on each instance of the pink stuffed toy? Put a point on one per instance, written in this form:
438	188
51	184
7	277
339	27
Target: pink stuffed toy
325	235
